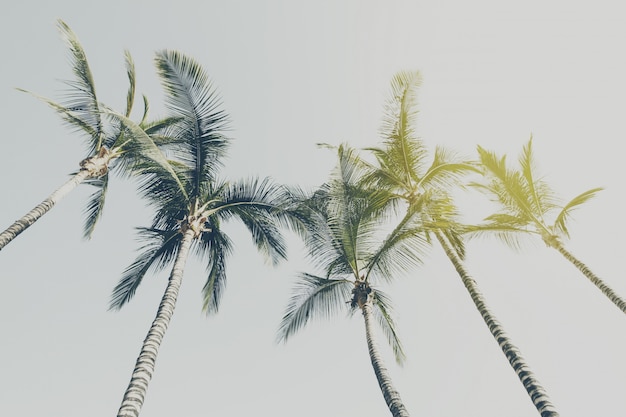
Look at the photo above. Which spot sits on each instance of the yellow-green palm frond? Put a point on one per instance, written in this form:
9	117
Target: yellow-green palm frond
560	224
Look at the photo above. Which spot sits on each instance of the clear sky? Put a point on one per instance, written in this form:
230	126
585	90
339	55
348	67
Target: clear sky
292	74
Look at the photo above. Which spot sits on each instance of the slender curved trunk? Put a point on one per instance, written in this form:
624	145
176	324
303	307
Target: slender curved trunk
536	392
392	397
42	208
144	367
606	290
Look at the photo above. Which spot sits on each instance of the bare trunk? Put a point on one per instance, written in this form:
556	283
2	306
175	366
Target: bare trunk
144	368
42	208
392	397
536	392
606	290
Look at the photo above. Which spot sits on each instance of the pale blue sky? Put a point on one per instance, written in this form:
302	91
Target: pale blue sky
292	74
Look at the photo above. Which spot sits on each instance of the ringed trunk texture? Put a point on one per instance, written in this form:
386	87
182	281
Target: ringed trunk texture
144	367
42	208
392	397
606	290
534	389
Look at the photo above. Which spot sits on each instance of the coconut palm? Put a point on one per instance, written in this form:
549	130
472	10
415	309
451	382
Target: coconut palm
108	141
191	203
347	241
402	169
526	203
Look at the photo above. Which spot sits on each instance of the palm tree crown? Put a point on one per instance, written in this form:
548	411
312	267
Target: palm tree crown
356	254
526	204
110	144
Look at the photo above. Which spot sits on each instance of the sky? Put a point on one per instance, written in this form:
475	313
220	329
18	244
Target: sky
292	74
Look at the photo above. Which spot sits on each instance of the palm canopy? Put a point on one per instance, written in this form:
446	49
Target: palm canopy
526	201
186	192
402	163
350	243
109	144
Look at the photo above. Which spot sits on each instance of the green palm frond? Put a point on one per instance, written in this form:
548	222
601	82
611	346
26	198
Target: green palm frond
191	96
159	250
81	99
214	247
261	206
94	208
401	250
563	216
383	311
132	81
150	159
313	297
70	116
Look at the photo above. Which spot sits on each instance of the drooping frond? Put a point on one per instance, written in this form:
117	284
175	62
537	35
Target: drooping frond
159	250
214	247
313	297
190	95
383	313
261	206
94	208
81	100
560	224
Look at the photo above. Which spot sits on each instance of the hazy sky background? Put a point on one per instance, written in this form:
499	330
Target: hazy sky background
292	74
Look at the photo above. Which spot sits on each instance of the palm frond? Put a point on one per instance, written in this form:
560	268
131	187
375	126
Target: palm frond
509	234
383	313
191	96
402	249
215	247
81	99
261	206
159	250
560	224
150	159
132	80
95	206
313	297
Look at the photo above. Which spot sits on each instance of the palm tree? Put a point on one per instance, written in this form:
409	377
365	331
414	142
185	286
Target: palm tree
526	202
402	170
107	142
191	203
346	240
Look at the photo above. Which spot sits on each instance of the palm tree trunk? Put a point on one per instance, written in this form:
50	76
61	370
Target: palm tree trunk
606	290
42	208
144	367
536	392
392	397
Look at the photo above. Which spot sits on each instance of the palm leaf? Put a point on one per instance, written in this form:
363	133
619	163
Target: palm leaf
313	297
191	96
382	311
159	250
214	246
563	216
81	99
95	206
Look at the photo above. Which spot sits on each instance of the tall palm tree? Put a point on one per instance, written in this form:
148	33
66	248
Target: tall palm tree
108	141
526	201
348	243
401	168
190	205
